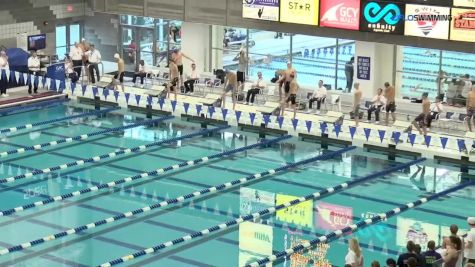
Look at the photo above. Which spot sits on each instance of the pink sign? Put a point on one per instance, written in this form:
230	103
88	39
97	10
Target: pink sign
333	217
342	14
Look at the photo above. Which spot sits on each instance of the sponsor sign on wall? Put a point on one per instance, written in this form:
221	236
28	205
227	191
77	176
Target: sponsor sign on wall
341	14
464	3
300	214
427	21
382	17
333	217
261	9
299	11
462	27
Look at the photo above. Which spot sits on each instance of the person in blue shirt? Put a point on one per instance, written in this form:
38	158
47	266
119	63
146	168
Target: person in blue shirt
431	256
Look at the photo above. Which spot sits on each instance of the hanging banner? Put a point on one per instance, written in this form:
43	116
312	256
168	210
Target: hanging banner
261	9
363	67
464	3
382	17
299	11
427	21
341	14
462	26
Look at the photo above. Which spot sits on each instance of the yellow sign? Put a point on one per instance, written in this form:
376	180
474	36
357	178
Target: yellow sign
299	11
462	26
301	214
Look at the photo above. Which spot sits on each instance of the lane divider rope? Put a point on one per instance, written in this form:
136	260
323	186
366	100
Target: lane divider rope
258	214
357	226
142	175
95	159
31	125
178	200
80	137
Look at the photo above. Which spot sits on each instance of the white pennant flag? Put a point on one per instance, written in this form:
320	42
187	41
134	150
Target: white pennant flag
8	74
17	75
57	84
25	78
48	82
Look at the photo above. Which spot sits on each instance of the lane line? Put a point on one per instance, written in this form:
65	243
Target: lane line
258	214
170	202
80	137
357	226
131	179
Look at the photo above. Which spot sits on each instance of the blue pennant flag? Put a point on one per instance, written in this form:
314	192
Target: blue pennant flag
73	87
224	111
412	139
443	142
62	85
149	100
13	78
367	133
161	101
186	106
337	128
137	99
43	82
238	115
352	132
427	138
83	89
21	80
173	102
252	117
295	122
266	119
116	95
127	97
52	85
280	121
309	125
105	93
36	81
331	51
94	91
382	134
198	109
325	51
323	127
211	111
461	144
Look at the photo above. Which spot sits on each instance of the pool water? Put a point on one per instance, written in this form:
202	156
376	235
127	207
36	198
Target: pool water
234	246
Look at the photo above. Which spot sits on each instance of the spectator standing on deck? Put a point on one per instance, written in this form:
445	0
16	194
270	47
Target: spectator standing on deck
192	78
34	65
376	105
257	86
402	260
390	95
76	55
469	251
354	257
94	58
471	108
318	96
3	80
431	256
349	73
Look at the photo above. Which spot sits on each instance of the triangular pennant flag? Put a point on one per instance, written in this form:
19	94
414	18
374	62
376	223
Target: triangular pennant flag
266	119
412	139
280	121
461	144
396	137
18	77
295	122
43	82
323	127
36	81
3	76
94	91
137	99
105	93
367	133
352	132
427	138
224	111
211	111
28	80
73	87
12	77
238	115
57	84
198	109
62	85
443	142
22	78
149	100
337	128
7	72
252	117
186	106
382	134
309	125
52	84
161	102
127	97
116	95
84	87
173	102
25	77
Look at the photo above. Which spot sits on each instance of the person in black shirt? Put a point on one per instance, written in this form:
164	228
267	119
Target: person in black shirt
402	261
349	73
420	259
431	256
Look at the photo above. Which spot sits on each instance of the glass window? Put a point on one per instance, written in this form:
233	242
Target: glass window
227	42
137	21
268	52
61	41
314	58
417	71
346	50
74	34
